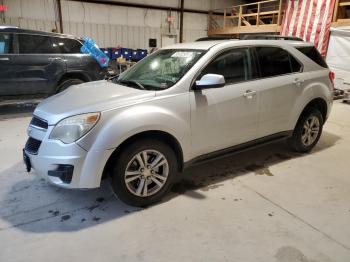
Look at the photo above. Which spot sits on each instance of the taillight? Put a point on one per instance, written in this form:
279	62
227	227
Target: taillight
331	77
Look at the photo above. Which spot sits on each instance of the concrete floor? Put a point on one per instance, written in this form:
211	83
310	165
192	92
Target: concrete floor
262	205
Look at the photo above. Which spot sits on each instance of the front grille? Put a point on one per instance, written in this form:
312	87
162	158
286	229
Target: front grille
32	145
36	121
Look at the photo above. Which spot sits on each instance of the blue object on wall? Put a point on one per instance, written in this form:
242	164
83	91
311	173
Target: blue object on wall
127	53
142	53
106	51
134	56
111	51
90	47
138	54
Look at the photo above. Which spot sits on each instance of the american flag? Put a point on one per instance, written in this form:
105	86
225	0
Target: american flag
309	20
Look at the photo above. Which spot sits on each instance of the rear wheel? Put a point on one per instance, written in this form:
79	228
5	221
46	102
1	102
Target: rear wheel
307	131
144	172
67	83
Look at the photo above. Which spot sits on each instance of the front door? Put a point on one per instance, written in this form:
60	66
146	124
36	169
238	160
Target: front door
7	79
226	116
39	64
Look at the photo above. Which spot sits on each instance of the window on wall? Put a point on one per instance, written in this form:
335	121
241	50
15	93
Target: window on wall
36	44
5	44
276	61
235	65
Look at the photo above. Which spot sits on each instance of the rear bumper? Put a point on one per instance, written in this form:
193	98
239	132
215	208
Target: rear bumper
329	108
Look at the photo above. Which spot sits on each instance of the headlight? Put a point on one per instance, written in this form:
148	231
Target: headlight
72	128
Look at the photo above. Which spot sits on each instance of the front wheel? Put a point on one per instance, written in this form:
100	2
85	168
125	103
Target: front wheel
144	172
307	131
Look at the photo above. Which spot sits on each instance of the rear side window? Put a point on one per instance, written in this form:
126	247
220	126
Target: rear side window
235	65
67	45
35	44
276	61
5	44
312	53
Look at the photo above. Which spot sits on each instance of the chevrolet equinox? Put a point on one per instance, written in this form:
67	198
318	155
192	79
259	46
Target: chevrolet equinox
183	104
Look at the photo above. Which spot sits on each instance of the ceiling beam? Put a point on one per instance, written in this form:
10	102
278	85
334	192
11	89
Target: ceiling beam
146	6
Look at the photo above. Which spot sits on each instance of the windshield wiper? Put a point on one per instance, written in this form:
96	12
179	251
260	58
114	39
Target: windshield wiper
132	82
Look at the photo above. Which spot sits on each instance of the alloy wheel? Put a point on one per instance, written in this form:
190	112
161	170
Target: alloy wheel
310	131
146	173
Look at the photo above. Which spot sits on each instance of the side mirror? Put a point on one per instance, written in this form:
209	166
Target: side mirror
210	81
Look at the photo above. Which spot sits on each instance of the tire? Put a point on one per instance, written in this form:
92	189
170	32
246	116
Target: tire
305	138
128	161
67	83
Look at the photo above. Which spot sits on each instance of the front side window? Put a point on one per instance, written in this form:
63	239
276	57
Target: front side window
276	61
160	70
5	43
36	44
235	65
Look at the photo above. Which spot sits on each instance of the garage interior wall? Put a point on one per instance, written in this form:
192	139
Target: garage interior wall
111	25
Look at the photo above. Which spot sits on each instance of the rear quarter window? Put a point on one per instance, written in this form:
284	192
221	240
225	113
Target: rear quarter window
68	46
312	53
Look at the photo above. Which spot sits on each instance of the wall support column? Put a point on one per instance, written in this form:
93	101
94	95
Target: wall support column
181	20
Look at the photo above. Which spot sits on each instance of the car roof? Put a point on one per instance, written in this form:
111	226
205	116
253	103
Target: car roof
13	29
206	45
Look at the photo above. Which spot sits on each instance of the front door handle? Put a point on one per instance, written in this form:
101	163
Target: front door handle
55	58
249	94
298	81
4	59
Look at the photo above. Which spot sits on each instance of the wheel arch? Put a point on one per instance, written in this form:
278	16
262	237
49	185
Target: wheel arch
318	103
72	75
156	134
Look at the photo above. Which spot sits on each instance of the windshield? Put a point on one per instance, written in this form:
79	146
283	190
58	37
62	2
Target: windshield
160	70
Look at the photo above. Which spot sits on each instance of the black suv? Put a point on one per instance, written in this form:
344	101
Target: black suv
34	63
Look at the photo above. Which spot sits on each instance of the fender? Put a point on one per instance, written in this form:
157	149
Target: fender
314	90
118	125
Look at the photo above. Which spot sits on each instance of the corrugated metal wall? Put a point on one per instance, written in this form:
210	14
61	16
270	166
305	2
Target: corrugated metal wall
110	25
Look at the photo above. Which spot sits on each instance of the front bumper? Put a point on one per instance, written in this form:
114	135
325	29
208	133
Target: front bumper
67	165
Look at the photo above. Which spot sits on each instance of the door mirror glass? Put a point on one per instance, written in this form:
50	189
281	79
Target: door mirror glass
210	81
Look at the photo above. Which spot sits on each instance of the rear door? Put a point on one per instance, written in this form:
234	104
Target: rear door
281	82
70	48
7	77
39	64
78	62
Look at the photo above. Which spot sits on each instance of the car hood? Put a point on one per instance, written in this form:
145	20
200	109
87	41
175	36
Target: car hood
89	97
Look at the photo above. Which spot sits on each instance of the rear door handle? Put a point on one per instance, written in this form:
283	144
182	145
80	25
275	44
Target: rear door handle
298	82
249	94
4	59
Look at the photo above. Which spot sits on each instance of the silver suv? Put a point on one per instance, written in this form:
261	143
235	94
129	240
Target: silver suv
182	105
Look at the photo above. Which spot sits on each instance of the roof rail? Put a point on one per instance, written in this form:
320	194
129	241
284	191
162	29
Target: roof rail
7	26
270	37
213	38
